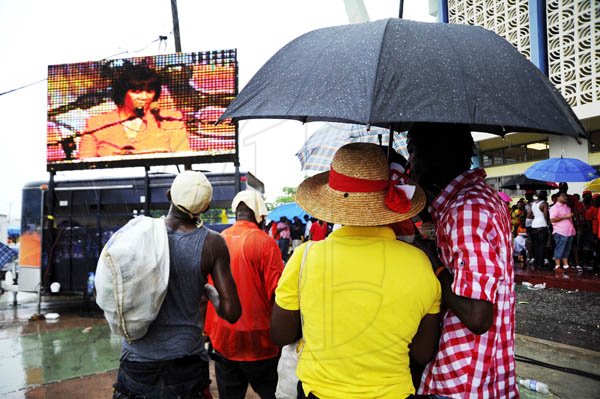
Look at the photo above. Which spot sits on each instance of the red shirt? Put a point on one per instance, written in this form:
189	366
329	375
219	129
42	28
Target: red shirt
591	214
318	231
256	266
474	241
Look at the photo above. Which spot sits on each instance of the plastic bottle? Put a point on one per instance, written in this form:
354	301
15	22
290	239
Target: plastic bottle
535	385
90	283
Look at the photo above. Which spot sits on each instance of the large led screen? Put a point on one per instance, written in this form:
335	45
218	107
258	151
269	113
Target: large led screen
141	111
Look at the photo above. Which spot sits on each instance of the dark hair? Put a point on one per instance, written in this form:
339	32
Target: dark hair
542	195
135	77
449	147
596	201
563	187
452	138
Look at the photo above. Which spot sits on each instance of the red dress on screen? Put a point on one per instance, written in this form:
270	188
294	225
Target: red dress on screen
153	136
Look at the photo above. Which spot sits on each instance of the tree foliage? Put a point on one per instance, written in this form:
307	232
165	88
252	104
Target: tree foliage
288	196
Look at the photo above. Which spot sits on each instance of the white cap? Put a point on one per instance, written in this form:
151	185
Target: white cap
253	200
191	192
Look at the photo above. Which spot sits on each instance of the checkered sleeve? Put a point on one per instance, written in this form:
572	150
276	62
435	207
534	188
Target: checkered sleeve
476	264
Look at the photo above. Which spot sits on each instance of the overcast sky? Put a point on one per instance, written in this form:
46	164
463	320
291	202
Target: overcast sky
38	33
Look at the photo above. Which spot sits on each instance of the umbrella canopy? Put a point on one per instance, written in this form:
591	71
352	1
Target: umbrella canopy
593	186
317	152
397	72
288	210
522	182
7	254
562	170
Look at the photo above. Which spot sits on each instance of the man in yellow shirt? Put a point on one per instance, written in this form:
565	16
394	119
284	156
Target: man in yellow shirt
369	303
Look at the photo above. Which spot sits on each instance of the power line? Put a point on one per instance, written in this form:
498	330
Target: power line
160	39
23	87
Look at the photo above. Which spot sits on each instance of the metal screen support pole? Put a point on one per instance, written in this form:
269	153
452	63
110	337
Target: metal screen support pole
176	26
147	202
238	184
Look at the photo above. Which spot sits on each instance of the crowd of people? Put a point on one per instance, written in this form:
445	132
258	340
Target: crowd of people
289	234
402	297
559	234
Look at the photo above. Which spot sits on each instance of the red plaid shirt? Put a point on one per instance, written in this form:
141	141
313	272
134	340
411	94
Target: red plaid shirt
474	241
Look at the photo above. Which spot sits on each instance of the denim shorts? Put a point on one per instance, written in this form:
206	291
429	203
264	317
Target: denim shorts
562	246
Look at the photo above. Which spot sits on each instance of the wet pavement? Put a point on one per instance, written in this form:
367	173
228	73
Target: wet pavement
76	355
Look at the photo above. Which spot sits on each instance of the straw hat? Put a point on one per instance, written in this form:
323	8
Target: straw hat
354	192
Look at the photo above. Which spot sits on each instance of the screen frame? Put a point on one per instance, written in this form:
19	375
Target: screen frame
213	57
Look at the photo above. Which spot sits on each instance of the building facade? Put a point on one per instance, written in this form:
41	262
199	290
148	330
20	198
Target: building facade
562	38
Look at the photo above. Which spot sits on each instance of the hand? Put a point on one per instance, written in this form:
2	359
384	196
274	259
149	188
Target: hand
212	294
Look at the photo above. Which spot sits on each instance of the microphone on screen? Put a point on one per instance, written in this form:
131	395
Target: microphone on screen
139	112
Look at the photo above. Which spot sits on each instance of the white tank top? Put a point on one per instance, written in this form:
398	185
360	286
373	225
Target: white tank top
539	220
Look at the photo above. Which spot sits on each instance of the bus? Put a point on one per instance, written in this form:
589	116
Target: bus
64	228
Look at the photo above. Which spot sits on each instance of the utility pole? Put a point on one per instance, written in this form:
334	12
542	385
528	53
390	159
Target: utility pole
176	26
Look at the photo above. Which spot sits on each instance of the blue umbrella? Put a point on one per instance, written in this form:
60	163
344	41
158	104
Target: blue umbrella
562	170
288	210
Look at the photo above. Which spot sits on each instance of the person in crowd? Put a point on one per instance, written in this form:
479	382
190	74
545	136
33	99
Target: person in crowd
596	229
319	230
517	215
589	230
137	125
271	230
369	302
285	235
539	230
245	354
308	221
473	240
297	232
528	220
578	209
171	360
563	231
520	249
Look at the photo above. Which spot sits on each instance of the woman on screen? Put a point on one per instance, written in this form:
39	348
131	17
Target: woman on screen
137	126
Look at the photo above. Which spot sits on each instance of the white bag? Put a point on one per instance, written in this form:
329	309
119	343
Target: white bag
132	276
287	380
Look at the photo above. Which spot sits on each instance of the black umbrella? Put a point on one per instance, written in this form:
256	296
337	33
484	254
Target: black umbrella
523	182
394	72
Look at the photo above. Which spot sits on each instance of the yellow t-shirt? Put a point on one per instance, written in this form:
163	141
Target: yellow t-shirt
363	295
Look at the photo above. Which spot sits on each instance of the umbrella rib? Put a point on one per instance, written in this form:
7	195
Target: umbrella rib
376	75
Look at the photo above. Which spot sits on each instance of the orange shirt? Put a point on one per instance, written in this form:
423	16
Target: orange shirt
256	266
166	136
